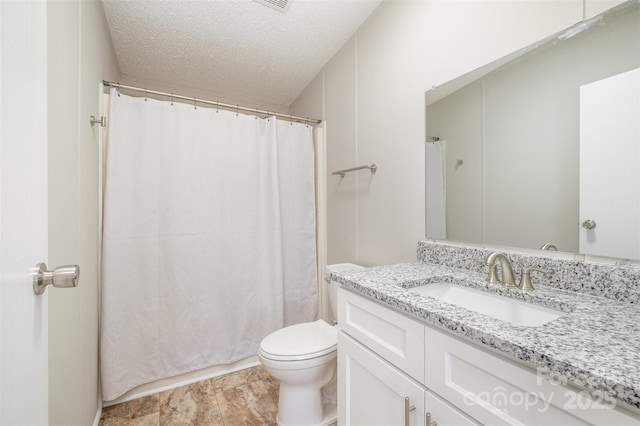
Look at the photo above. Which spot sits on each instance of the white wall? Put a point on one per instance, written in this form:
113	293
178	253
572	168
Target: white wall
372	96
80	55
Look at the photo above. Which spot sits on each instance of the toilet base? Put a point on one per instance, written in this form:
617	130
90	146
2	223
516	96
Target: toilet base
330	411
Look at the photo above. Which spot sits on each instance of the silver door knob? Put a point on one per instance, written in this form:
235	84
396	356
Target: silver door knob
62	277
589	224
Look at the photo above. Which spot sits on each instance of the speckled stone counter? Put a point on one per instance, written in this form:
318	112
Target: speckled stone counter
595	345
611	278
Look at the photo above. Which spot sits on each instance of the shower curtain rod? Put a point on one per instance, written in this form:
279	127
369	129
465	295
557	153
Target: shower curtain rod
236	108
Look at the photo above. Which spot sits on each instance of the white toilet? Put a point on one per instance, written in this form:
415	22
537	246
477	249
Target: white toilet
303	358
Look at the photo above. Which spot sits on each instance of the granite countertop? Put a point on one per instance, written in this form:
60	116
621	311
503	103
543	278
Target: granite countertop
594	345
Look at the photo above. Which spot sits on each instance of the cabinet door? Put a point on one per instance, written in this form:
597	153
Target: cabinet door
392	335
372	392
443	414
497	391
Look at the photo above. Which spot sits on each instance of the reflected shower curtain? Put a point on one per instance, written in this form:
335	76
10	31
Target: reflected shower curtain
208	238
436	205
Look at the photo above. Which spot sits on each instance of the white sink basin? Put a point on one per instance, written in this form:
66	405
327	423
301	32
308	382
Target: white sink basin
502	308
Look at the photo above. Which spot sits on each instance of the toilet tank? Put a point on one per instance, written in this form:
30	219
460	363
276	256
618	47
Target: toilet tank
332	286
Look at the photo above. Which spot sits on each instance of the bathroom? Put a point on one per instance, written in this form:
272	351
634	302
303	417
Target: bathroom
371	95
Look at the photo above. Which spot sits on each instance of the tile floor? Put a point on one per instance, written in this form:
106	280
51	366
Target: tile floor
246	397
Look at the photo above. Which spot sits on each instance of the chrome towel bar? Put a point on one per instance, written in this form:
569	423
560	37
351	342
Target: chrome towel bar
372	167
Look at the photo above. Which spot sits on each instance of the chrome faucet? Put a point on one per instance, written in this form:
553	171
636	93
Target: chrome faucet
505	267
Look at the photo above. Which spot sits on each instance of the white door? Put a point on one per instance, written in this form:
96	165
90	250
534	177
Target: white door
23	211
610	166
371	392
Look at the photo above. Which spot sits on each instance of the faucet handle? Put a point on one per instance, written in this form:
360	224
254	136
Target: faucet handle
525	279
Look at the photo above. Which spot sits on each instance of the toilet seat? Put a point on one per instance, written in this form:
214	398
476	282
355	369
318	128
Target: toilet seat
300	342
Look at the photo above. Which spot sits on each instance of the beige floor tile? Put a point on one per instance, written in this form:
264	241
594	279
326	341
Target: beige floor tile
247	397
248	404
152	419
189	405
262	372
228	381
131	411
272	384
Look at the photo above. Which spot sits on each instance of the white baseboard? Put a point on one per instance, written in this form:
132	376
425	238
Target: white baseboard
181	380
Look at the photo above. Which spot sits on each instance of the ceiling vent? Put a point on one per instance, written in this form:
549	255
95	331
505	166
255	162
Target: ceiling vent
280	5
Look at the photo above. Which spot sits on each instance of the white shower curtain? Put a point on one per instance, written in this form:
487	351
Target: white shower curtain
208	238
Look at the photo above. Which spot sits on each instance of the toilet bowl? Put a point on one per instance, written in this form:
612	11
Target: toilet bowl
303	358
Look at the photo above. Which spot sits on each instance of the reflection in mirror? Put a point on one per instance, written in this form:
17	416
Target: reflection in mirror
510	143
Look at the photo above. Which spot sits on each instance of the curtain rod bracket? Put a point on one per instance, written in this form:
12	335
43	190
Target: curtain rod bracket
102	121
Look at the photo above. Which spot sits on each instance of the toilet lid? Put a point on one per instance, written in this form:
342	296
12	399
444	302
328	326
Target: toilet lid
300	341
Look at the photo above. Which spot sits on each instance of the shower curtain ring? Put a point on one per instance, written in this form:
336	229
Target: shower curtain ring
237	110
172	99
217	107
194	103
290	120
145	95
256	113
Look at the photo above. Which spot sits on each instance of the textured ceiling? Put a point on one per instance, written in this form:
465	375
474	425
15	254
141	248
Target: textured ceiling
239	49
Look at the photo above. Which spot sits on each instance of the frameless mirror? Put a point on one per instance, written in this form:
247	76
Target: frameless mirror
543	146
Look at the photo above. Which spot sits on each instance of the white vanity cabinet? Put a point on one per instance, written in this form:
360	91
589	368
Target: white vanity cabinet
390	334
498	391
385	356
371	391
381	369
